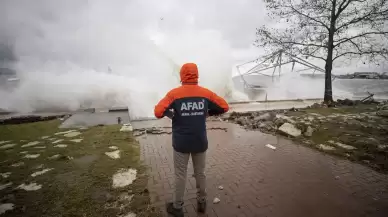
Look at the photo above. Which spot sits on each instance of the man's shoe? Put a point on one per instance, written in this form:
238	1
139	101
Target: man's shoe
174	211
201	206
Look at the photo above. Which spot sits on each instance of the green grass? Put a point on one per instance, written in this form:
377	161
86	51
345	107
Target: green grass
80	183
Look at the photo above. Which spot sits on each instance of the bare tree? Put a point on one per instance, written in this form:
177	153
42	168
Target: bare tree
327	30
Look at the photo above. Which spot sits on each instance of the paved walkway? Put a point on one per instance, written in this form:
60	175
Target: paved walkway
290	181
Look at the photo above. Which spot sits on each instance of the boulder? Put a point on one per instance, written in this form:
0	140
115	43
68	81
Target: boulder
290	130
265	117
309	131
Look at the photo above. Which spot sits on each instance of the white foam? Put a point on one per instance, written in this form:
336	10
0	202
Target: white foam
76	140
72	134
113	154
61	146
30	187
3	142
32	156
17	164
113	147
57	141
7	146
41	172
126	128
131	214
45	137
64	132
54	157
30	144
124	177
4	186
5	175
6	207
40	147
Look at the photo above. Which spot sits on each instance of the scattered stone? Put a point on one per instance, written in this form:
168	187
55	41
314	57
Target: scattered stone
309	131
3	142
57	141
113	154
30	187
4	186
221	187
124	177
216	200
271	146
32	156
7	146
290	130
30	144
76	140
6	207
60	146
265	117
72	134
113	147
41	172
126	128
65	132
5	175
326	147
17	164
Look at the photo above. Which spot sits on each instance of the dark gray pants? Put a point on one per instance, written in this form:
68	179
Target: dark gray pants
180	166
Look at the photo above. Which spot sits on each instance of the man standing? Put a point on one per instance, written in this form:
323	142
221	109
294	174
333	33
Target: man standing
188	106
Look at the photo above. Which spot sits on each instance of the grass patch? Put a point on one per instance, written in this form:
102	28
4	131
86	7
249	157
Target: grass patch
80	182
357	126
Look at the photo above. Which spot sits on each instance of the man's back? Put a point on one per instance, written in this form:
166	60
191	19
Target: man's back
191	104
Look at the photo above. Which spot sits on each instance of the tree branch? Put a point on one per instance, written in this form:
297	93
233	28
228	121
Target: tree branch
344	40
308	17
360	54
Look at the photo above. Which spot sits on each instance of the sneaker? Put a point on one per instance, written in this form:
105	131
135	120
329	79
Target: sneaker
174	211
201	206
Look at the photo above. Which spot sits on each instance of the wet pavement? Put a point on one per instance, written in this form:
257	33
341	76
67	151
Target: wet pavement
291	180
89	119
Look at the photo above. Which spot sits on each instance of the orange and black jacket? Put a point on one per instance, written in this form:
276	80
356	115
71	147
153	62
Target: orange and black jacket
188	106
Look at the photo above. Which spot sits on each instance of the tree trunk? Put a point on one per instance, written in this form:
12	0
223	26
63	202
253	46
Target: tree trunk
328	97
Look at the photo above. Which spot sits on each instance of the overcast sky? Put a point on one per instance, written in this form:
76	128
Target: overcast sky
32	25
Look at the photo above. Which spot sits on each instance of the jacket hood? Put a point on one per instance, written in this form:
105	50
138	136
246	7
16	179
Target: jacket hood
189	73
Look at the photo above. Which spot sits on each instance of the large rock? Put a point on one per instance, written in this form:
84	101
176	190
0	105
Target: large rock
309	131
290	130
265	117
383	113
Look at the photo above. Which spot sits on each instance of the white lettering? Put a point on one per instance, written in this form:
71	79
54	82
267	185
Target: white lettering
183	107
195	106
190	106
201	105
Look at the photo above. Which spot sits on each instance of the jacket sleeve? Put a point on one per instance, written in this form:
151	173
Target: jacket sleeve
217	105
161	109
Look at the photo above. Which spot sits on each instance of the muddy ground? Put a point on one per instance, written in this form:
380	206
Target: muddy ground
46	172
350	129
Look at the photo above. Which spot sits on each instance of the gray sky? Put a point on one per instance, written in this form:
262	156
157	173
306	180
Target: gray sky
59	29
